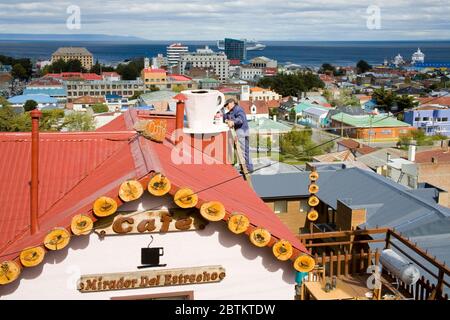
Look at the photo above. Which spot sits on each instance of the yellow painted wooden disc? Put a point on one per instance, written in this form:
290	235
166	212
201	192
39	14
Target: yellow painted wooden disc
81	225
282	250
313	188
9	271
159	185
185	198
304	263
212	211
313	215
260	237
314	176
238	223
130	190
57	239
105	206
31	257
313	201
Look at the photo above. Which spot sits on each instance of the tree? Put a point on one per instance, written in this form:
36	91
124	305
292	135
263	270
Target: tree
25	63
363	66
73	65
136	95
19	72
385	99
406	102
299	145
3	102
130	70
100	108
79	121
30	105
327	68
292	84
178	88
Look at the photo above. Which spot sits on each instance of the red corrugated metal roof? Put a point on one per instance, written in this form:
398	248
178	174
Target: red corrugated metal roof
80	167
70	161
179	77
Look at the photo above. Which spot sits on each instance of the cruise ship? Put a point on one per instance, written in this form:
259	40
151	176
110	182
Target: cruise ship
251	45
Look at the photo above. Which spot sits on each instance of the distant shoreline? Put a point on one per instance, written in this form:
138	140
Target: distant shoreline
304	53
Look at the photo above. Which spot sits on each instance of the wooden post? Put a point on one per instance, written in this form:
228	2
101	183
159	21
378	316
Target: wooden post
338	271
361	261
34	190
331	264
324	259
440	283
369	258
346	263
388	240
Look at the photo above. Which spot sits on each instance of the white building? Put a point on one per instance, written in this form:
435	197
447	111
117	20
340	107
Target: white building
249	73
262	94
206	58
174	51
159	61
418	57
263	62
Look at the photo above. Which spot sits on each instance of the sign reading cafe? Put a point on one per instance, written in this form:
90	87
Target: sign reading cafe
154	221
153	278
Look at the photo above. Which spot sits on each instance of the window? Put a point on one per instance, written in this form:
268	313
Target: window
426	119
280	206
445	119
417	119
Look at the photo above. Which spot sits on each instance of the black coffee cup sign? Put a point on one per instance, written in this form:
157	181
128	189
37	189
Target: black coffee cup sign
150	256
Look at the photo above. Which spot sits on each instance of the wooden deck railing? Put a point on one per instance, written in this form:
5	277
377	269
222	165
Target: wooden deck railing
339	261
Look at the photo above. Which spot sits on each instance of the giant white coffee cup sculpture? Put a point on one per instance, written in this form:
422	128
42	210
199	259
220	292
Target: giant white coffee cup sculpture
201	107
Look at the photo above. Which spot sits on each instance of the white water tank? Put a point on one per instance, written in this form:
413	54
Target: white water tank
405	271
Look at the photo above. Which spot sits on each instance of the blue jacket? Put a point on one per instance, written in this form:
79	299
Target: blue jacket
238	116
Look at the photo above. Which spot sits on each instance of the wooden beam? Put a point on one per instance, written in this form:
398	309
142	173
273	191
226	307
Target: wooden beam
339	234
330	244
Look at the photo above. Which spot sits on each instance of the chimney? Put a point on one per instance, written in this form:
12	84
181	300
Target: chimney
412	151
34	191
434	160
179	119
388	157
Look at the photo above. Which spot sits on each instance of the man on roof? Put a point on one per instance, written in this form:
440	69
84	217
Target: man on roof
236	118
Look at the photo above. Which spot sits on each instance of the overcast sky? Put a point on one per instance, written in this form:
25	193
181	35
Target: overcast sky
253	19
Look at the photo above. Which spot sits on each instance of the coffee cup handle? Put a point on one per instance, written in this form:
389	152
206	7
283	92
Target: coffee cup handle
222	101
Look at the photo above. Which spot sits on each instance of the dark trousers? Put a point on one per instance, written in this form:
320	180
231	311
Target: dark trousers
244	143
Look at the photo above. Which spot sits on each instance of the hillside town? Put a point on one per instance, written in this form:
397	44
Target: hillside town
350	167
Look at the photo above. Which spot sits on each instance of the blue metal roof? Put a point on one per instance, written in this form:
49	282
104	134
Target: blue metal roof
145	108
112	96
387	203
316	111
39	98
